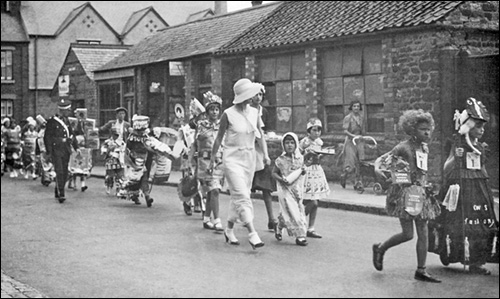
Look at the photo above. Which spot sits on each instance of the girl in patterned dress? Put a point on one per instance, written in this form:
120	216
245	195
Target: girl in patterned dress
315	183
211	182
289	174
113	147
28	152
409	177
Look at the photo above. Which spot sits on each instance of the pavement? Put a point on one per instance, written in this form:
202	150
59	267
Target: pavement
340	198
344	199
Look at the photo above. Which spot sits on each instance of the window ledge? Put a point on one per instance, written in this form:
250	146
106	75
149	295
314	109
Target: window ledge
7	81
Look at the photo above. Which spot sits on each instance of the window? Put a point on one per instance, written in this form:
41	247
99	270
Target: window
284	78
353	73
205	77
88	41
7	65
109	100
7	109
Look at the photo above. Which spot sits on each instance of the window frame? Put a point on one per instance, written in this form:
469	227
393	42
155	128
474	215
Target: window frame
5	108
345	79
283	75
5	66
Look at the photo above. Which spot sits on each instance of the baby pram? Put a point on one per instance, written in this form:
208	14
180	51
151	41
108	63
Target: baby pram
367	169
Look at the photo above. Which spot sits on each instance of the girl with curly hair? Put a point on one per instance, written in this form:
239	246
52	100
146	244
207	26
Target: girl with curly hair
406	197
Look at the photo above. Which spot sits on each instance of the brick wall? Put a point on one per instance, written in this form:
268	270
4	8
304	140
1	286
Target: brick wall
18	88
216	69
250	67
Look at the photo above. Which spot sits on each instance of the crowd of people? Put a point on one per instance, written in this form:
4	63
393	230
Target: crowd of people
228	148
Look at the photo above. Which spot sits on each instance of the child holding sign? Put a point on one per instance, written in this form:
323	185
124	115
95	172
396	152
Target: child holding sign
406	197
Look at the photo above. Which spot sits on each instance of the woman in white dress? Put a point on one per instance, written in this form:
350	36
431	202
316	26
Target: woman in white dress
242	126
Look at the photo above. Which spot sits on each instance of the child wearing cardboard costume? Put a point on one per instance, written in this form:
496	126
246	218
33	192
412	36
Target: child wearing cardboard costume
469	225
409	177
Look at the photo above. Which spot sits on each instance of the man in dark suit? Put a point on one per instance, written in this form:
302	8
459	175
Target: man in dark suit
122	126
58	140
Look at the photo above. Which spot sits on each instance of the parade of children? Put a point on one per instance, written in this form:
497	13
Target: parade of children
223	156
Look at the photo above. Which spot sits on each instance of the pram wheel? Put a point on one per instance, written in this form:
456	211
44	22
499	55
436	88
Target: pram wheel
377	188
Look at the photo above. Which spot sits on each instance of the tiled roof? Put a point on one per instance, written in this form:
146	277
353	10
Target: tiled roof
92	57
12	29
195	38
296	22
137	16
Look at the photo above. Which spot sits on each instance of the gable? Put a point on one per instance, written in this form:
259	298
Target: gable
149	23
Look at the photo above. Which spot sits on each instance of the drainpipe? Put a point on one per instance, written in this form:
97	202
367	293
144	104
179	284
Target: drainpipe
36	70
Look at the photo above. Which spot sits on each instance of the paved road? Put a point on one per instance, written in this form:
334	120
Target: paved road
98	246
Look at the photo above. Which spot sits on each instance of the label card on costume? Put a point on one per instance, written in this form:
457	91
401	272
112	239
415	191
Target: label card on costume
421	159
473	161
400	177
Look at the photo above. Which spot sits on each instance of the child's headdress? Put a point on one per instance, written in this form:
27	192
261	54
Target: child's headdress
196	108
465	121
211	99
314	122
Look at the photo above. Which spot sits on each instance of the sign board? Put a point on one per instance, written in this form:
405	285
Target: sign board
63	83
176	68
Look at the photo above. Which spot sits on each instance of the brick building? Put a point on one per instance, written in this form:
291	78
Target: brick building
315	57
15	60
76	77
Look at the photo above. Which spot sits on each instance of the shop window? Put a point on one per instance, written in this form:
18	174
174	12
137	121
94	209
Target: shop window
353	73
285	97
7	65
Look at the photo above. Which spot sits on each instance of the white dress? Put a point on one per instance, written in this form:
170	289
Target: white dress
239	160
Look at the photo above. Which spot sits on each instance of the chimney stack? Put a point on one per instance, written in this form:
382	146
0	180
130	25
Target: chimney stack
255	3
220	7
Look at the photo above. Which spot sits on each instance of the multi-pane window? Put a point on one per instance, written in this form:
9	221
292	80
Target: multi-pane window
353	73
7	65
7	108
109	100
285	98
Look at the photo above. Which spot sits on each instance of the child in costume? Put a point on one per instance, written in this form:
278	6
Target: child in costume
315	183
113	148
289	174
469	229
406	197
201	149
140	148
28	152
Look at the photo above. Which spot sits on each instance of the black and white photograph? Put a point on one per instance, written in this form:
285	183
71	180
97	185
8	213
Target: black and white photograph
250	149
